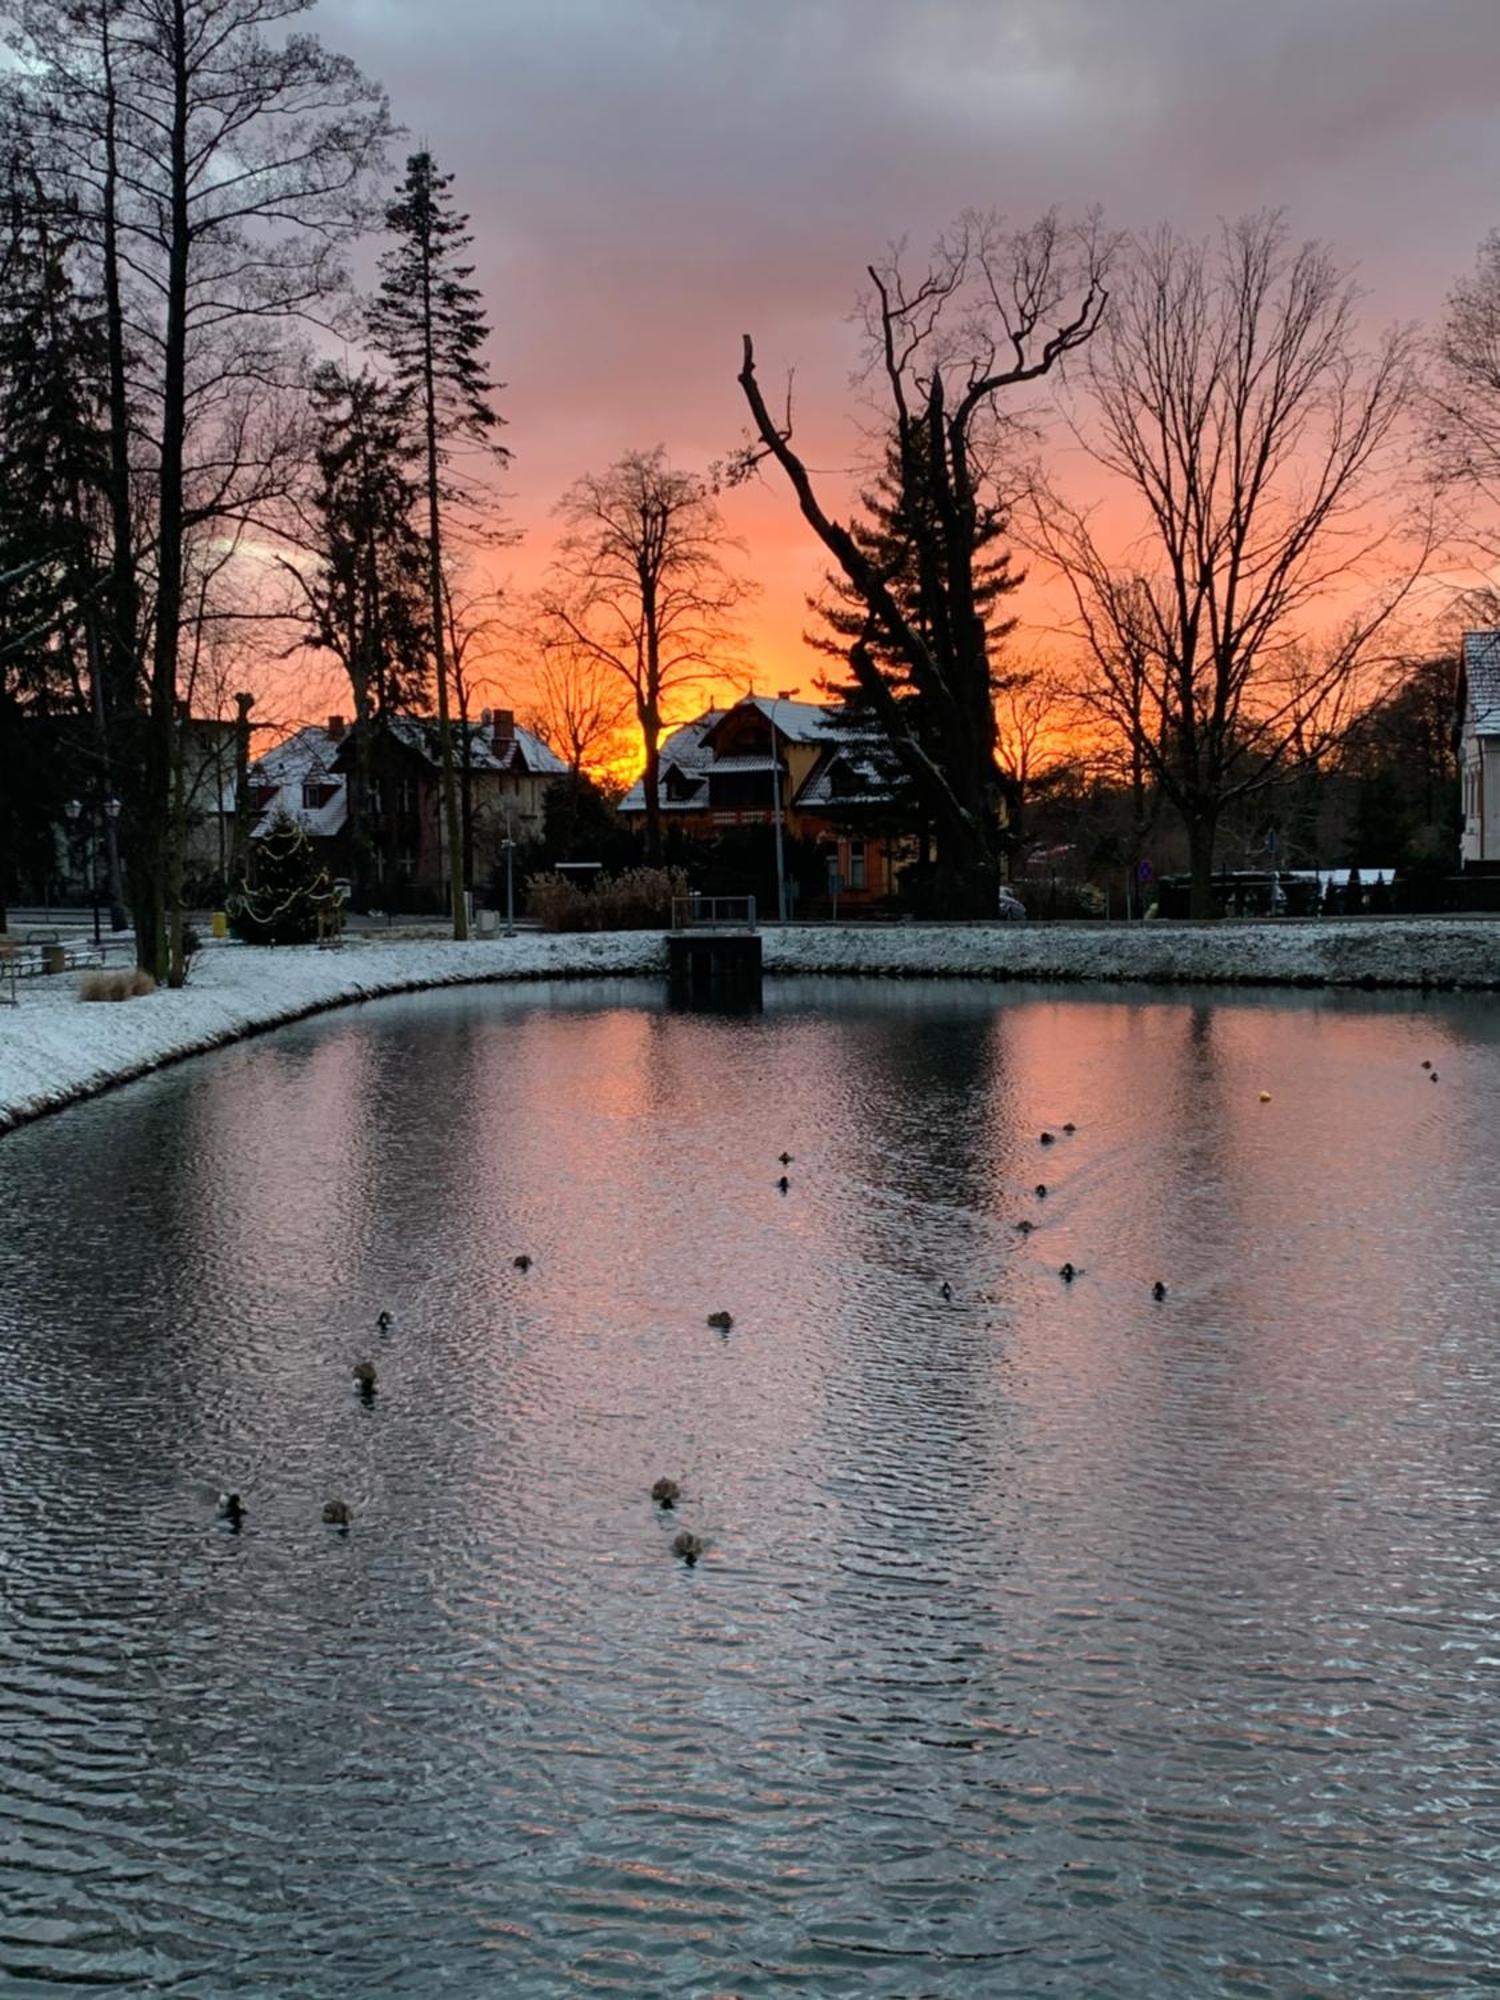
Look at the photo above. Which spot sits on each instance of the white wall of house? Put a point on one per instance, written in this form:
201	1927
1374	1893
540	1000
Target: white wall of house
1481	797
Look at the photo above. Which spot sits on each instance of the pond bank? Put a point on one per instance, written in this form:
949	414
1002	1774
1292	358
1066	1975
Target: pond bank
54	1050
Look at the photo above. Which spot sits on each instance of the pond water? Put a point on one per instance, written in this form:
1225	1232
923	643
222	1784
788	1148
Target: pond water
1051	1639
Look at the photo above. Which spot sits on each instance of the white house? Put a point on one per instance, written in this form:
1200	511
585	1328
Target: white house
1479	751
298	778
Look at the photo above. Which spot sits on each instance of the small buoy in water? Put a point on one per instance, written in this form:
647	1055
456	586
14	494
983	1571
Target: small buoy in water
783	1184
231	1509
785	1159
1070	1128
721	1320
1434	1076
1158	1290
1265	1097
1047	1139
1041	1190
1025	1225
665	1491
521	1263
1425	1063
364	1377
1067	1274
383	1320
946	1289
689	1547
336	1513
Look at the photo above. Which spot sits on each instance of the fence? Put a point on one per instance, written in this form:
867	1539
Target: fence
713	913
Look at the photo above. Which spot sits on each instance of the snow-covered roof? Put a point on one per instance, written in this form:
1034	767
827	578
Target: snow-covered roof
1482	673
742	764
684	750
802	721
521	753
872	785
690	751
306	758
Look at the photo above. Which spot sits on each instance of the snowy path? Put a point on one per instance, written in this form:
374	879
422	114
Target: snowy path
53	1049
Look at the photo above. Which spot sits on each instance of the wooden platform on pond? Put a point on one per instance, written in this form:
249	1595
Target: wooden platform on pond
714	968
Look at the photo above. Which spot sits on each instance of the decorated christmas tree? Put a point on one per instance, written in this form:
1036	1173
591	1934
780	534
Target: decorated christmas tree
286	892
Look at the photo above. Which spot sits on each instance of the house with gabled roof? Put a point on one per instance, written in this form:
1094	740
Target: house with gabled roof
313	775
1479	753
299	780
735	767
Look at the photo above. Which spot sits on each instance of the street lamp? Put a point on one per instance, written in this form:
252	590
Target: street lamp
784	694
117	918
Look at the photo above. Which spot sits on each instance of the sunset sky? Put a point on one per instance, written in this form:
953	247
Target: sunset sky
649	179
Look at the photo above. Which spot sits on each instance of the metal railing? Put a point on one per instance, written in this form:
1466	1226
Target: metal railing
713	913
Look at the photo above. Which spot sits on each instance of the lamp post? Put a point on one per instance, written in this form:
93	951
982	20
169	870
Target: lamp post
510	878
783	694
117	918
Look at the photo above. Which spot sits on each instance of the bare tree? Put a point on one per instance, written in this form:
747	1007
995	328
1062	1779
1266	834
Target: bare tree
579	708
993	311
472	632
1034	716
222	165
1463	401
1232	398
640	585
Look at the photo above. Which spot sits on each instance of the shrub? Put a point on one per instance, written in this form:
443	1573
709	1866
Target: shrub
638	900
131	985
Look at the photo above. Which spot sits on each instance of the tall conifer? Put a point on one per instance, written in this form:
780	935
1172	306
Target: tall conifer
428	321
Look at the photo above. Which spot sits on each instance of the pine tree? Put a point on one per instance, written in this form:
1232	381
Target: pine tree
286	891
428	322
898	535
52	458
367	599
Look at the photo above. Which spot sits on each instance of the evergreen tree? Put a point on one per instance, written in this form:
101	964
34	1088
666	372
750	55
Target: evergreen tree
899	537
367	599
52	457
428	321
285	891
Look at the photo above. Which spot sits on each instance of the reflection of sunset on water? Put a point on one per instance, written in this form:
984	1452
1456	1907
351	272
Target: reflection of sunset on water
1008	1583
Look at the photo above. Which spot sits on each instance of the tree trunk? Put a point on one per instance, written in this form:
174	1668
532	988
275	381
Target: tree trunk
465	777
239	858
122	628
1201	832
451	823
154	820
651	783
361	847
177	852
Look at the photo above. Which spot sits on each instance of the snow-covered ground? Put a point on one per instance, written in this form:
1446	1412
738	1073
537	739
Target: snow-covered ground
54	1049
1405	951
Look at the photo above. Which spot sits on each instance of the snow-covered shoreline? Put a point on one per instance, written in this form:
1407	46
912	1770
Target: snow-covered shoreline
55	1050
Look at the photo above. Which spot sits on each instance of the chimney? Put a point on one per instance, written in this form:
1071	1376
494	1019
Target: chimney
504	726
335	729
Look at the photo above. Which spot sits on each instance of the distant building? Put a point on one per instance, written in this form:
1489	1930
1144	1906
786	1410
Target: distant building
722	771
299	780
62	861
1479	752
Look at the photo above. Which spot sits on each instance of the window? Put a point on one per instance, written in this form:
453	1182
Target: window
856	864
316	794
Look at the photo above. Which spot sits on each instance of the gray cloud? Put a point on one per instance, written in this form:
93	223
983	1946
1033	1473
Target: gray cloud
649	178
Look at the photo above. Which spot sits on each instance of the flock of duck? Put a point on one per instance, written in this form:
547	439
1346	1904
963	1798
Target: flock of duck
339	1514
666	1492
